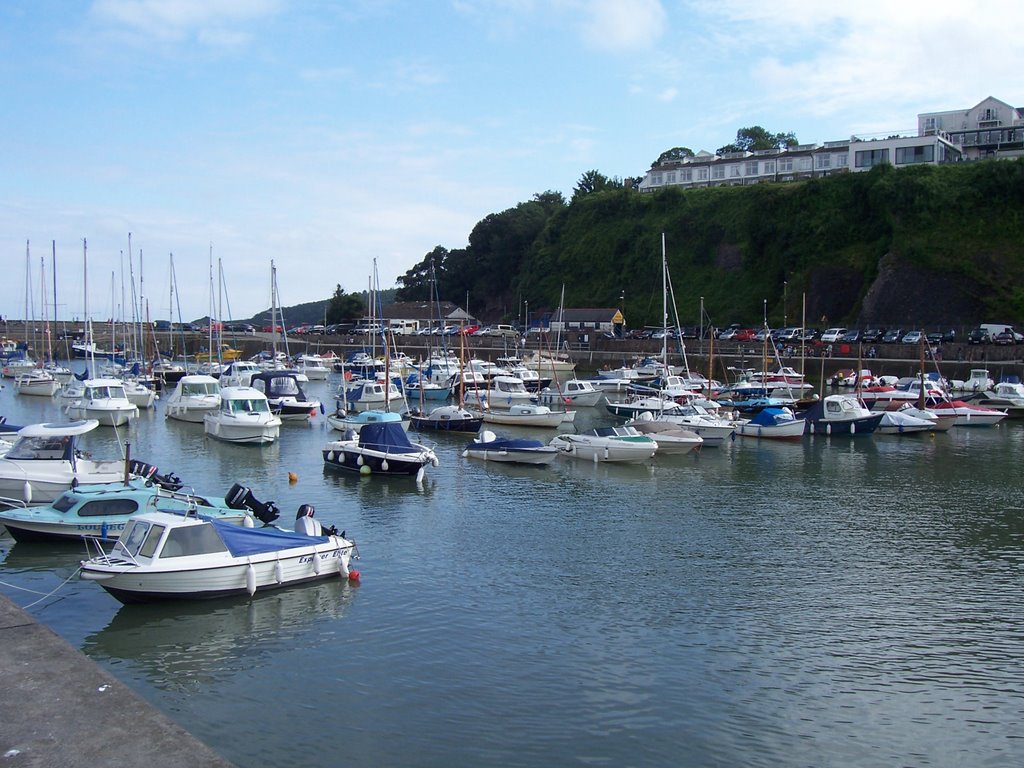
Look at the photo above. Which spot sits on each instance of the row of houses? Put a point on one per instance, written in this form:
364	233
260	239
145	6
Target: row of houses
992	128
407	315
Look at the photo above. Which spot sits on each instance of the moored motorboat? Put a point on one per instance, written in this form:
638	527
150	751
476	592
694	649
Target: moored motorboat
286	398
193	397
162	556
37	382
840	415
671	438
103	400
44	462
575	392
968	414
104	510
446	418
379	448
772	423
1005	396
901	423
244	416
525	415
343	420
606	444
513	450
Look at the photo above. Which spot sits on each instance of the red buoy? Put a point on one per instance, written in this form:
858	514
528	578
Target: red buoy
353	575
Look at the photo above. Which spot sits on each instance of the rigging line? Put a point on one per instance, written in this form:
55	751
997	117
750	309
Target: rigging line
48	594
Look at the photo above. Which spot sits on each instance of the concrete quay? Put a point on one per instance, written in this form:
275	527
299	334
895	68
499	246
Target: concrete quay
60	709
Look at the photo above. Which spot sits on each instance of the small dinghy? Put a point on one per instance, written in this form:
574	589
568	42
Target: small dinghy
513	450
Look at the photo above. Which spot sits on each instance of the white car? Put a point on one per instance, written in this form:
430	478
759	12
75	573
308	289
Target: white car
832	335
912	337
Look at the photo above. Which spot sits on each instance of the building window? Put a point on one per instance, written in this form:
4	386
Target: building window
734	171
869	158
823	161
686	174
803	164
656	179
718	172
909	155
702	174
929	125
671	178
842	160
769	166
786	165
752	168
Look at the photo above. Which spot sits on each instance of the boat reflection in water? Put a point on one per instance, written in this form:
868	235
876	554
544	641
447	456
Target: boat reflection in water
182	646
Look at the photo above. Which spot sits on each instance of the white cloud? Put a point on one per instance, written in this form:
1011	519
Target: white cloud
622	26
212	22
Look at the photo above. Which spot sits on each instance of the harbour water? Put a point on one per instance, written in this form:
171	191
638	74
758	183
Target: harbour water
832	602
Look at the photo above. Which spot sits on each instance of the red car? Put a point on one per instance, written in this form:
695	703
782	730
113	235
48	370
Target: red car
745	334
469	330
270	329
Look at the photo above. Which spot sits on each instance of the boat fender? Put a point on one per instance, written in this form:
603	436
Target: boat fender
359	460
434	461
330	455
853	428
316	562
384	465
247	522
419	475
250	580
465	454
279	572
364	469
26	492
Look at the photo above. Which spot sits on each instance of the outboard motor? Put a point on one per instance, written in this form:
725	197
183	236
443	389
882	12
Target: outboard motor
240	497
304	523
142	469
169	482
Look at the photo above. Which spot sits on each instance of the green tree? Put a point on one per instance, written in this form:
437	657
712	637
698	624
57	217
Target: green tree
594	181
344	307
755	138
674	154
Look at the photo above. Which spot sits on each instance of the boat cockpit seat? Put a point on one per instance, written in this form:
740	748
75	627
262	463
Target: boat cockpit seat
305	523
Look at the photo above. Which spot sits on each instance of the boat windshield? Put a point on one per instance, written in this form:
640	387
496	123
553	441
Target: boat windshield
192	540
133	536
256	405
193	389
45	448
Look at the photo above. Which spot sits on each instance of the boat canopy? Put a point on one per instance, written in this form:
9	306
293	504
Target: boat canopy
59	430
385	436
242	542
769	417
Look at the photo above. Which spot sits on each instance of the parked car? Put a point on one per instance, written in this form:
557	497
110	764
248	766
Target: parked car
933	338
851	337
978	336
872	335
892	336
469	330
1004	339
832	335
744	334
272	329
912	337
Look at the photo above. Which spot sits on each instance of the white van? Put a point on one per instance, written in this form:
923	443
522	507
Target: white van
994	329
404	327
832	335
502	330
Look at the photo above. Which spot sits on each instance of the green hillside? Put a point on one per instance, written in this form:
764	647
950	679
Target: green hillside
925	245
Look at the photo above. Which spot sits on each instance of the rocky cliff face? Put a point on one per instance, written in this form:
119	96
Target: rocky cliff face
910	294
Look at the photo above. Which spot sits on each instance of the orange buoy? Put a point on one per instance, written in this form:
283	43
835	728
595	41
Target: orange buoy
292	477
353	575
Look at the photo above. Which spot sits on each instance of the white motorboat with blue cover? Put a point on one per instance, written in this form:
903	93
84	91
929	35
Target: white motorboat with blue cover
512	450
162	556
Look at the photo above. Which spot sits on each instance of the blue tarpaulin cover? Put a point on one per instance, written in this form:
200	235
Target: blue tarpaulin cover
386	436
770	416
254	541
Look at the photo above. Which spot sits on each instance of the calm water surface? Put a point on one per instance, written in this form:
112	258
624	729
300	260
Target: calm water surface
832	602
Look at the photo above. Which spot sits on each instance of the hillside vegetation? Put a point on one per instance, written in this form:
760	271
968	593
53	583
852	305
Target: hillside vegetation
925	245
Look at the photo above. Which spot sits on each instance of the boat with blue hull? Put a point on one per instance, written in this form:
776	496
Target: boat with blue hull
103	511
840	415
381	448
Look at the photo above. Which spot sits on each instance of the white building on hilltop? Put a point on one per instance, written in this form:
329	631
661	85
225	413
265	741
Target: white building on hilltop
991	128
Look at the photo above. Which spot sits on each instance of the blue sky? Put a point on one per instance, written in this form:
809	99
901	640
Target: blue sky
326	134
